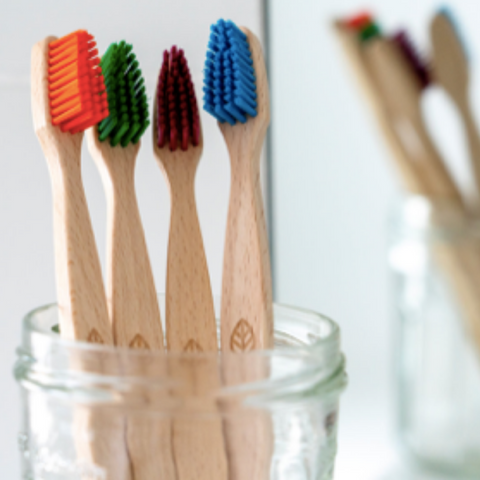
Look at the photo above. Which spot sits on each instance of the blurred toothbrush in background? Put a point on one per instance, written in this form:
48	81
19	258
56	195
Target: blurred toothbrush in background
452	72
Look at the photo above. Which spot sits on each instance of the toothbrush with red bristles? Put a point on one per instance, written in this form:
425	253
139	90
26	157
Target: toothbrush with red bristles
198	446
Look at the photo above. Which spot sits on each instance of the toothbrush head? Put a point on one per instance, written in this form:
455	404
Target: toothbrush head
448	13
127	100
177	117
418	64
230	85
76	87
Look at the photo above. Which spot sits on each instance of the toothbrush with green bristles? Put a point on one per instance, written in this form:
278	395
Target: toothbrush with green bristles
133	306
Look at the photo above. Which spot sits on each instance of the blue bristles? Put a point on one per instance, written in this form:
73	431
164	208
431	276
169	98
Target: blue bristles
229	77
452	18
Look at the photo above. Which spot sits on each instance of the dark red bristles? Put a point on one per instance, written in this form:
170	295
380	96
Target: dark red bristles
418	64
178	121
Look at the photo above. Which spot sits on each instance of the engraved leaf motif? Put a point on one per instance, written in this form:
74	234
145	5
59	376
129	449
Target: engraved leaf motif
192	346
94	337
243	338
139	343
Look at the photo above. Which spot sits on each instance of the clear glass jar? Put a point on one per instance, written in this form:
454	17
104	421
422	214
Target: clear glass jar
434	258
97	413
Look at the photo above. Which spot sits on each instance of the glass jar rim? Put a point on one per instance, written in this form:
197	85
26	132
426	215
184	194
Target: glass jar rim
307	346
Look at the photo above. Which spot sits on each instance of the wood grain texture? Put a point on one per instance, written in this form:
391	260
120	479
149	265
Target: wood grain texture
132	297
452	73
131	293
198	444
247	287
81	295
247	308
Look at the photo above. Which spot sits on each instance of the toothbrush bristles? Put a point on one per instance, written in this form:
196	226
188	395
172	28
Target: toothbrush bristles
178	121
419	65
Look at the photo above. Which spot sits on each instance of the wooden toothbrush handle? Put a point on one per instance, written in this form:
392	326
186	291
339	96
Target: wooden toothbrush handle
473	140
83	313
133	303
137	324
131	289
191	324
247	315
198	443
80	289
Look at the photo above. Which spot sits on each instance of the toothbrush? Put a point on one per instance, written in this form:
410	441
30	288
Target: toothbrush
236	94
451	71
67	97
351	39
402	78
134	311
198	446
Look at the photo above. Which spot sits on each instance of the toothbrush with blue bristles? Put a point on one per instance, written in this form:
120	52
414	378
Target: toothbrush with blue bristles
237	95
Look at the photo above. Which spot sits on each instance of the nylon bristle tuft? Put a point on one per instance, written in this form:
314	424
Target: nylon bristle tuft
127	99
418	64
229	75
76	85
178	120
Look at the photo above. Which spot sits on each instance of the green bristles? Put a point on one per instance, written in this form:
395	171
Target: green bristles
372	30
127	100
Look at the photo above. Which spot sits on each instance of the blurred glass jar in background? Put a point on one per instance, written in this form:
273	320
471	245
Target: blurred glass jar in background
293	393
434	259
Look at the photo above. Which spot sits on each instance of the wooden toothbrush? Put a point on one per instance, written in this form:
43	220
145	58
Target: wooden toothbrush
67	98
236	93
134	311
198	445
452	73
401	82
410	172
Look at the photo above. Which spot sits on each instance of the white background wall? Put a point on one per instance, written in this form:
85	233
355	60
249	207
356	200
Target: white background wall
332	191
26	249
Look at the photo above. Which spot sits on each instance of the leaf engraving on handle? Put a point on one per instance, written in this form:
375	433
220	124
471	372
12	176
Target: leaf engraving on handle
94	337
192	346
243	338
139	343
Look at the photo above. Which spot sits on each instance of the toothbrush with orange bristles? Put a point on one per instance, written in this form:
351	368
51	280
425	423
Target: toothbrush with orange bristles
68	96
237	95
198	446
134	311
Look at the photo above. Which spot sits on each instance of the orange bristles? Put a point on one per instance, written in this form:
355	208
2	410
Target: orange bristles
77	93
360	20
